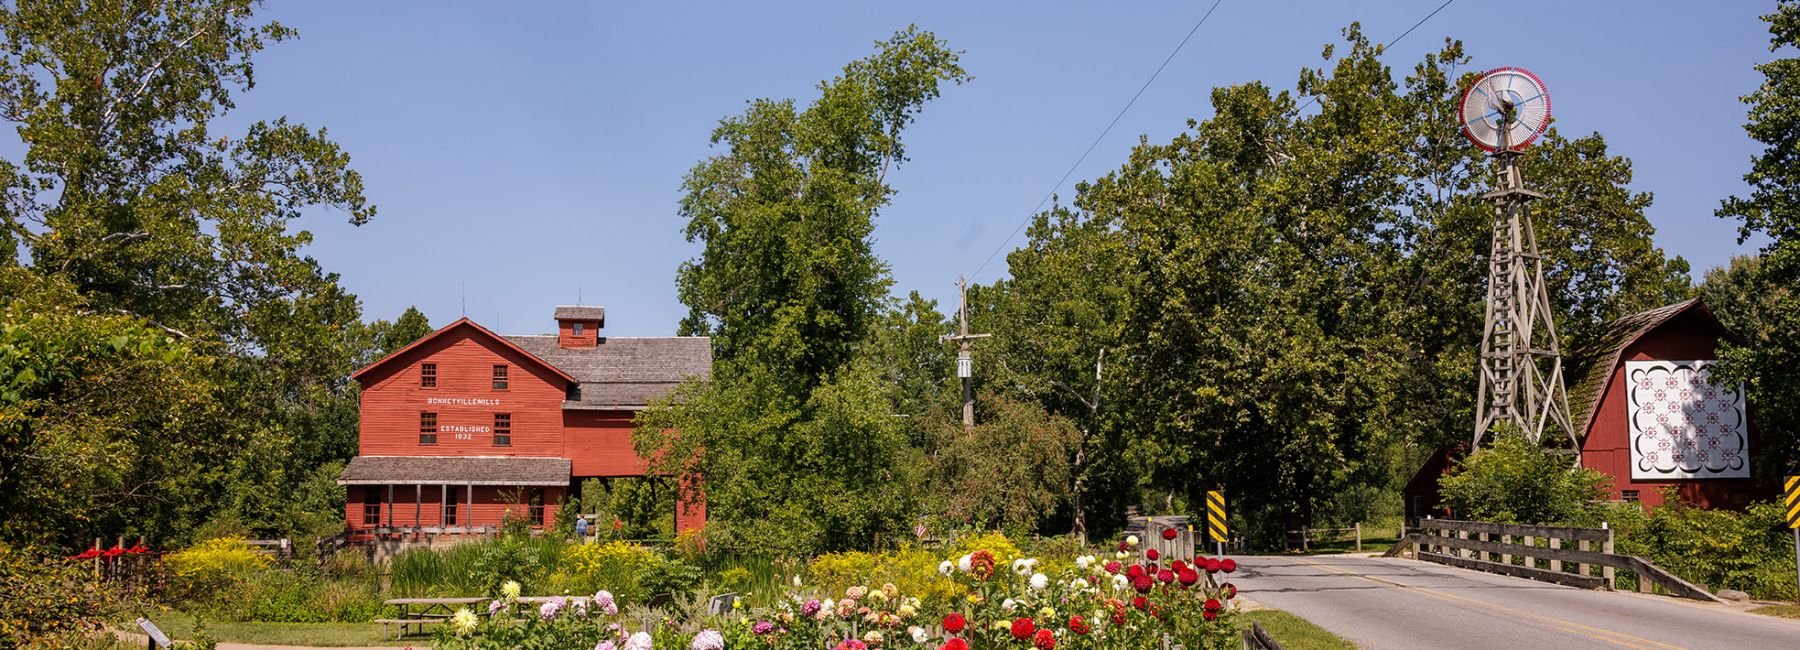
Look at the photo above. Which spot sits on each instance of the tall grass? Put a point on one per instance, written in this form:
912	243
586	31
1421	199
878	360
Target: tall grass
456	571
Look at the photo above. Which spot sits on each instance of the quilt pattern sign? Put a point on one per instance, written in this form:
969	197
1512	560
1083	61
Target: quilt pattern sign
1682	424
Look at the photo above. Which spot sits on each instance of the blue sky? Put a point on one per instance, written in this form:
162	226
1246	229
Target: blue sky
522	154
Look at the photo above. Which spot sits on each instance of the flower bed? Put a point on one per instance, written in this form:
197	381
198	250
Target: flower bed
1130	600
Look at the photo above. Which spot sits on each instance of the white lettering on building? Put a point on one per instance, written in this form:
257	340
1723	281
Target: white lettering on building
461	401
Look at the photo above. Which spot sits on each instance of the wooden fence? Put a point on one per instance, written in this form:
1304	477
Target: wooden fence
1558	554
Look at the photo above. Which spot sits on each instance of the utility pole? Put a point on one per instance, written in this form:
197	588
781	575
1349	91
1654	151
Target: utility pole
965	364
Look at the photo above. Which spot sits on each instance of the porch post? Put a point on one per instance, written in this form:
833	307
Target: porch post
418	504
390	507
471	517
443	507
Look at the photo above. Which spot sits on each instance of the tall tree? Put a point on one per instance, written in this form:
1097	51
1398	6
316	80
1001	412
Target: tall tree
128	193
793	433
1290	300
1771	366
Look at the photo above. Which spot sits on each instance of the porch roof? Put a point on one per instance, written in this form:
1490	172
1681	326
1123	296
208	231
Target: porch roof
455	470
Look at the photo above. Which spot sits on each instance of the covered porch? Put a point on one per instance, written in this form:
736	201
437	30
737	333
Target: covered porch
405	496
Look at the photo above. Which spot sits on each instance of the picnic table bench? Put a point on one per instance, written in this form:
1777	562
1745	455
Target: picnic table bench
417	613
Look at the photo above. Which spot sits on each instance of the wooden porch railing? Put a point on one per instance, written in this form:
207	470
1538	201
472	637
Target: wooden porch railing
1544	553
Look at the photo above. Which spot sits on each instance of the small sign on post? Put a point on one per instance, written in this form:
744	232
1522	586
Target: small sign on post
157	638
1216	529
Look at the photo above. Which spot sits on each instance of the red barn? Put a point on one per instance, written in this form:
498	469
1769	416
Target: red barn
464	426
1655	417
1651	416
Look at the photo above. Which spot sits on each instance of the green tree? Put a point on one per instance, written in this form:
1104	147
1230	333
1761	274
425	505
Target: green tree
1011	471
1515	481
793	434
1289	301
1770	364
410	326
128	192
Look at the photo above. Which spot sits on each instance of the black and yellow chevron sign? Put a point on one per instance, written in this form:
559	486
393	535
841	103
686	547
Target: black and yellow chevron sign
1791	500
1215	516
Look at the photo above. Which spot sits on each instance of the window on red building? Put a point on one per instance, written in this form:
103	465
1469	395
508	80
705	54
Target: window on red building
499	376
537	506
579	329
1630	496
427	375
428	428
502	429
371	506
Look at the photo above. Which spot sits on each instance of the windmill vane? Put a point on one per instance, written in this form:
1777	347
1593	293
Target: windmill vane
1504	110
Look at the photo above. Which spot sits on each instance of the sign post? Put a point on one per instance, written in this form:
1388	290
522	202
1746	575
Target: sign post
1216	529
1790	501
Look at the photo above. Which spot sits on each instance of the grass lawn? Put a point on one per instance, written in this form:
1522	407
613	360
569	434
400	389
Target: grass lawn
1296	633
180	625
1784	611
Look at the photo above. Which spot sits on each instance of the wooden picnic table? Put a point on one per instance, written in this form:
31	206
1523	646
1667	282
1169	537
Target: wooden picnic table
416	613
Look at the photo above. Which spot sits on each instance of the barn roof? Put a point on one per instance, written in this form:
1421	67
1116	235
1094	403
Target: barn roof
1598	357
580	312
455	470
623	372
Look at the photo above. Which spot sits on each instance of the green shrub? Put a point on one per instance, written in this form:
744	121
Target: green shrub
1515	481
668	575
612	566
217	564
1750	551
45	599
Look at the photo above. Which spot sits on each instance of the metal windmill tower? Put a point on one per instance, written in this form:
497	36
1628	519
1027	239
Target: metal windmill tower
1521	378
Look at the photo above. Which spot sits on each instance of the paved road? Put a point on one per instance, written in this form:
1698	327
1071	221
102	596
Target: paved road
1397	603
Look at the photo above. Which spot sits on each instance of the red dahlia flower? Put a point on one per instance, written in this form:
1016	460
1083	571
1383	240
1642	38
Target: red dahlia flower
1044	640
1230	591
1169	533
1228	565
1142	584
1140	602
1165	576
1209	614
1187	576
1213	605
955	644
1022	628
1212	565
1178	565
1152	554
1112	567
1077	625
954	622
1135	572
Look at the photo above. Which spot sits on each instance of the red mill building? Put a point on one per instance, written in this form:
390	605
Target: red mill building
465	425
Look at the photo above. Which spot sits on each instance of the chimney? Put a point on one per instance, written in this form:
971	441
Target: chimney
578	326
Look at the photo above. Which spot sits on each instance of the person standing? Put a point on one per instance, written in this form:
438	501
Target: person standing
581	528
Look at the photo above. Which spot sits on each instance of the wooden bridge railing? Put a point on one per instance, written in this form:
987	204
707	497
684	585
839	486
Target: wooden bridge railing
1543	553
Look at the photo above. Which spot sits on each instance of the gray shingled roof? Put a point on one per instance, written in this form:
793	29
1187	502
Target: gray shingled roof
623	372
1596	359
455	470
578	312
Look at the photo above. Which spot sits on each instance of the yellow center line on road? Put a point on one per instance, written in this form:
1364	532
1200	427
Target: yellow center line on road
1616	638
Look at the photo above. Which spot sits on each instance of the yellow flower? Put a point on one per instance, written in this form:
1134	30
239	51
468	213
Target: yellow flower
1002	625
464	621
1046	613
907	610
510	590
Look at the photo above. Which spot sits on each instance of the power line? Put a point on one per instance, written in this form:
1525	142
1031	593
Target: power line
1315	98
1065	177
1102	136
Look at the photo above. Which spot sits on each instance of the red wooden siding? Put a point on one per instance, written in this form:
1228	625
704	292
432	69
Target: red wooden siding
1689	336
598	443
590	333
392	400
